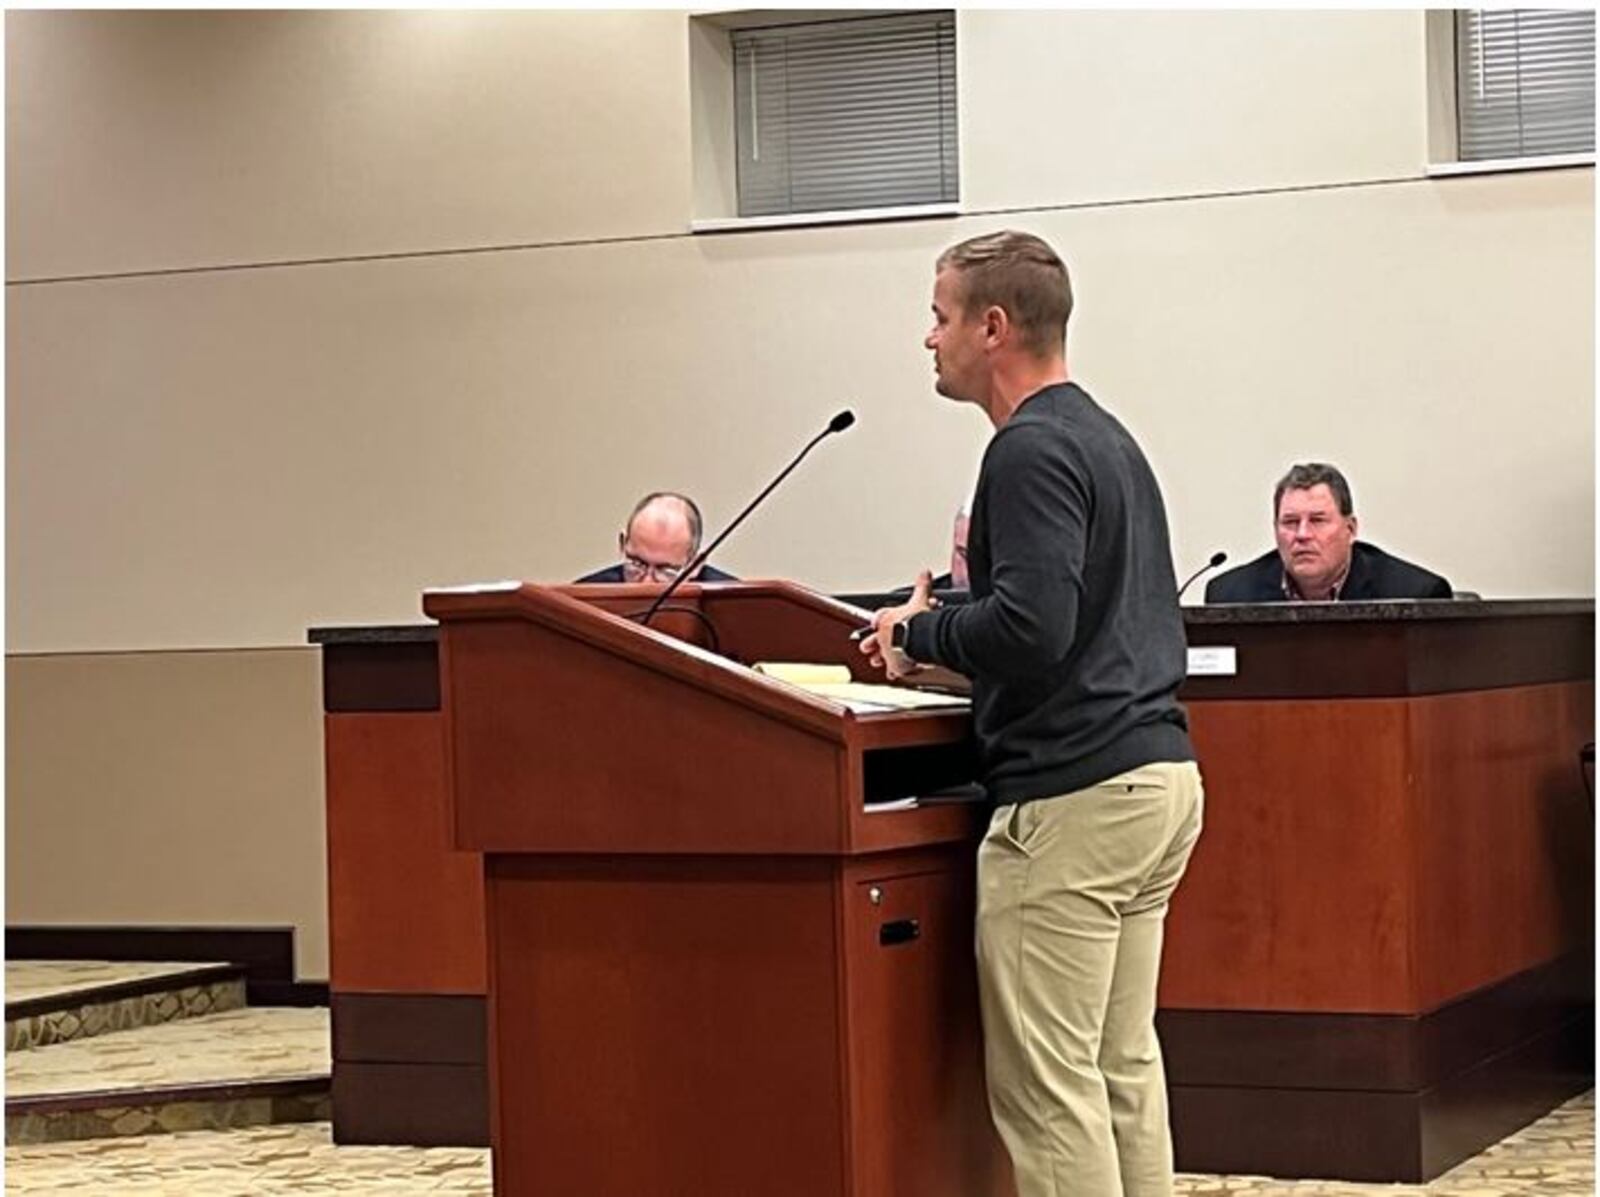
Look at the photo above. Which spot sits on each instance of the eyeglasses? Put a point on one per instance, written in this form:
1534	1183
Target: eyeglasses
637	569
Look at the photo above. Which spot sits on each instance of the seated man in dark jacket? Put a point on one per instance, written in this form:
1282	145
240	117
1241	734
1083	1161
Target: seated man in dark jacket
1318	558
661	537
956	579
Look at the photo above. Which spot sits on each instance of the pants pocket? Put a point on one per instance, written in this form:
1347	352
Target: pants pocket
1022	827
1009	828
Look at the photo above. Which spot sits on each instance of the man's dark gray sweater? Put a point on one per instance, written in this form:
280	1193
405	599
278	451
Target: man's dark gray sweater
1073	638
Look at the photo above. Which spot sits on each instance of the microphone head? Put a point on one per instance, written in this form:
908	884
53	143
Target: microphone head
1217	558
842	421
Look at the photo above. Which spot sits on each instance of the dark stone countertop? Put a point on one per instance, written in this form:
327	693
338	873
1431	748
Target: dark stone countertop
404	633
1383	611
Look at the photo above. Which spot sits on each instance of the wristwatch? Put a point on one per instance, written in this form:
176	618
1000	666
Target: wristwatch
897	638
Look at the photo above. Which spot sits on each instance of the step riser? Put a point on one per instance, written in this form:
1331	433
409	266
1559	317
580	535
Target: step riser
144	1010
107	1122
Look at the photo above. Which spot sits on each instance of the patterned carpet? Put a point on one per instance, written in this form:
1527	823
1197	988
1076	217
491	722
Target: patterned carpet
1554	1157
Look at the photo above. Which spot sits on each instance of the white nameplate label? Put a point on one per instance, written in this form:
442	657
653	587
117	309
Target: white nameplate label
1218	660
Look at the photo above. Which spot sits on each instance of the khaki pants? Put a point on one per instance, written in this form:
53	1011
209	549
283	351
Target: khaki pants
1072	894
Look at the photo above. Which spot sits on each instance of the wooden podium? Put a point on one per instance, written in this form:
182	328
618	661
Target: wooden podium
713	969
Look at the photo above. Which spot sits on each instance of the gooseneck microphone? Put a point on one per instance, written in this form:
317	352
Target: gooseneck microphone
838	424
1217	559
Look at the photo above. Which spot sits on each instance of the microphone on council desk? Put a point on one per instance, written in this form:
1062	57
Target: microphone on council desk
1217	559
838	424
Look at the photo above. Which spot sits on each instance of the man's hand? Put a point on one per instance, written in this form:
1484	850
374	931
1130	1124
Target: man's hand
878	646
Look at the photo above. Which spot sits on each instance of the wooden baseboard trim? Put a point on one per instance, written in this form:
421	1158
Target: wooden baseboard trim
416	1105
1375	1136
410	1028
1384	1053
410	1069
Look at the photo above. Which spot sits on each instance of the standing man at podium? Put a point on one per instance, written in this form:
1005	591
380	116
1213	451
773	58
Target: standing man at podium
1075	648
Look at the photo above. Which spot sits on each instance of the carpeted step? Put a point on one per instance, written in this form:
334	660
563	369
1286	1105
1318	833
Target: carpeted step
57	1001
246	1067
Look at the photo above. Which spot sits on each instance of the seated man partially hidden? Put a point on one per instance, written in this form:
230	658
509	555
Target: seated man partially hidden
956	579
661	538
1318	558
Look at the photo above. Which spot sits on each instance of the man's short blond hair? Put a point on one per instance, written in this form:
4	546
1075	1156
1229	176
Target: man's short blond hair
1020	274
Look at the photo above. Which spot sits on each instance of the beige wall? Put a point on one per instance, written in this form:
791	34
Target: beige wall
179	788
218	458
229	457
155	141
1097	107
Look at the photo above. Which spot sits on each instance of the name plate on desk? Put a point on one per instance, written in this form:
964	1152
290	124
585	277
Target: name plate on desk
1214	660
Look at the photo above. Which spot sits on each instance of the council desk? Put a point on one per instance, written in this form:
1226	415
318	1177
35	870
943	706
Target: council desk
1380	960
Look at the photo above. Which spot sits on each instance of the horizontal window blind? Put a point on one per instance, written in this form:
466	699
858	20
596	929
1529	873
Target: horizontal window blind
846	114
1524	83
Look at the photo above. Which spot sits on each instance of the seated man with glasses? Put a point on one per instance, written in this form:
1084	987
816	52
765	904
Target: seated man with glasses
662	537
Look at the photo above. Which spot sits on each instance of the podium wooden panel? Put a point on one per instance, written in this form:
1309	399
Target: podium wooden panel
712	969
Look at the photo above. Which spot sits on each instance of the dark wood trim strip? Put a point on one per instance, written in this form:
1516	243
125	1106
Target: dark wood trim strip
1236	1049
1383	1053
1393	658
166	1095
410	1028
414	1105
1480	1107
265	953
402	676
286	993
73	999
1296	1133
1375	1137
1502	1017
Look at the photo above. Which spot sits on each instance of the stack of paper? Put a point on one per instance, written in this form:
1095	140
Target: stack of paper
833	682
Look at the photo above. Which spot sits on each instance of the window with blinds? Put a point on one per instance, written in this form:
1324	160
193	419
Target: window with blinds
835	115
1524	83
